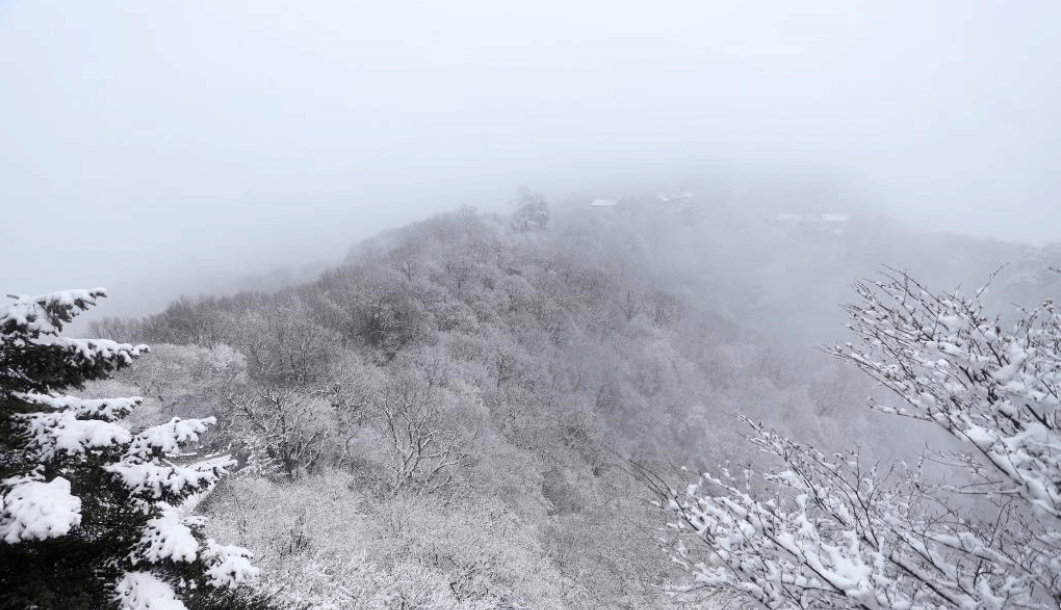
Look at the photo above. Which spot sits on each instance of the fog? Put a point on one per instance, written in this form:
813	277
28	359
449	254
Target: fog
166	144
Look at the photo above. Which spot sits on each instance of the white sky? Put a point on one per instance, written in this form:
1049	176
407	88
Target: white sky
146	138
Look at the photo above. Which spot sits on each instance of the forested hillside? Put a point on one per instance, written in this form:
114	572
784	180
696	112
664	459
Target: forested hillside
448	418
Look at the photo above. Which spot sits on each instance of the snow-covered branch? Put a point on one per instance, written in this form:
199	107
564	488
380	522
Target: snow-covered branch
81	496
828	531
998	391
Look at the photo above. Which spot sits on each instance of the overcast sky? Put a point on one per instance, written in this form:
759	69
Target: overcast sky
145	138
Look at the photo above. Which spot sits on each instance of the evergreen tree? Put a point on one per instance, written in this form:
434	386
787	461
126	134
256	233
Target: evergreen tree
90	512
532	212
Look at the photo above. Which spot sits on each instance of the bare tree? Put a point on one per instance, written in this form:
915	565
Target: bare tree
287	429
421	431
828	531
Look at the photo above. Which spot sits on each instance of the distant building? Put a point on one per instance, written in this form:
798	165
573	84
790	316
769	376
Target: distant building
826	223
604	204
675	196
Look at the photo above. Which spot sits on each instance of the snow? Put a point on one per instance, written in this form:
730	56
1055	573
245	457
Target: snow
168	537
167	438
229	565
52	434
31	312
96	349
36	510
153	480
144	591
107	409
219	461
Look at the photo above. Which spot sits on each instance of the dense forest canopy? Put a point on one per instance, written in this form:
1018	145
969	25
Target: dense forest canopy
450	417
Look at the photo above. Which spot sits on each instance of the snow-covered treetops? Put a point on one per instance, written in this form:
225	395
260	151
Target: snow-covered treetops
828	531
90	511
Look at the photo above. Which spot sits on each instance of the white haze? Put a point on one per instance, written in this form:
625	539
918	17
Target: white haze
203	140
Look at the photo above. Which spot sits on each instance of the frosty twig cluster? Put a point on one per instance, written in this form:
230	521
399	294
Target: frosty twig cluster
828	531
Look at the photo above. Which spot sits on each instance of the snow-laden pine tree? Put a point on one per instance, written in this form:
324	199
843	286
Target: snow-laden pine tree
829	532
532	211
90	511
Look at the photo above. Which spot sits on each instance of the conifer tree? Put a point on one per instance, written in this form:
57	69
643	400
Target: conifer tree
90	511
532	212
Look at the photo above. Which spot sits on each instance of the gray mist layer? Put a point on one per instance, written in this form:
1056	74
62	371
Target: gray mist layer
199	141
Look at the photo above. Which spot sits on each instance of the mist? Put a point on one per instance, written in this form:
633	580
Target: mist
198	141
458	297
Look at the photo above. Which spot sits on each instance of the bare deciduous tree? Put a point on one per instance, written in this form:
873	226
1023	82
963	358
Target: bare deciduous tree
827	531
420	429
289	429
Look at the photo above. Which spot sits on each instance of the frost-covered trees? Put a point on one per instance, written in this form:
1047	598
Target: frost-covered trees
828	531
90	511
288	430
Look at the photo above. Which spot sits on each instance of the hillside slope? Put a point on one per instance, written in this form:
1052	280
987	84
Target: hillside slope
445	419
